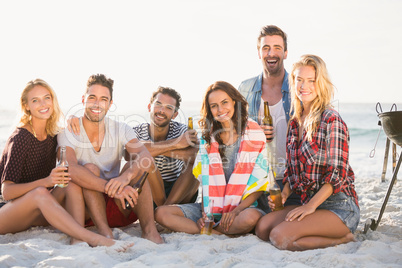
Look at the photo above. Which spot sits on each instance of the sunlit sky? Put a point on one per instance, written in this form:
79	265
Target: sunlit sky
188	45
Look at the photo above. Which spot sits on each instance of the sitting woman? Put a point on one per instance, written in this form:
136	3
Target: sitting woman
27	170
230	164
317	168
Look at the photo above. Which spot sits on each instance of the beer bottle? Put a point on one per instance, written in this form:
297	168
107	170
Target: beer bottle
267	119
63	163
275	192
190	123
138	186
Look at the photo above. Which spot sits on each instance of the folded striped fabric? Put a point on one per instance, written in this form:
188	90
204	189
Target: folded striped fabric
249	175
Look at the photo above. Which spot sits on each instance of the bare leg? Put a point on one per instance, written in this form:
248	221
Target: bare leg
71	198
96	205
173	218
156	184
145	212
268	222
243	223
23	212
184	188
318	230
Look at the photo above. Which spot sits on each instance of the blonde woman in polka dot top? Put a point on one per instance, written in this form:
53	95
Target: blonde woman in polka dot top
28	174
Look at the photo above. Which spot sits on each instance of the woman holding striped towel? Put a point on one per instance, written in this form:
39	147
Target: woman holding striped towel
230	165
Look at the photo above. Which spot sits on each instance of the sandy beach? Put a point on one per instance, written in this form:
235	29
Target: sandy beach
46	247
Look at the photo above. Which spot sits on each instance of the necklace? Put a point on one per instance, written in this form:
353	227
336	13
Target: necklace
33	130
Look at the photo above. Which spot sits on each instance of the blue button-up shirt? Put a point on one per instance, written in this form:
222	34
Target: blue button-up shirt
251	89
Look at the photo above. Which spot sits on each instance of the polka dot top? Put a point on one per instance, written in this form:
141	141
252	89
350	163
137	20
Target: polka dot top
26	159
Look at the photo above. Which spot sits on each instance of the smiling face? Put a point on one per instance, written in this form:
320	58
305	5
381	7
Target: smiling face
305	85
163	110
272	53
39	103
222	106
97	102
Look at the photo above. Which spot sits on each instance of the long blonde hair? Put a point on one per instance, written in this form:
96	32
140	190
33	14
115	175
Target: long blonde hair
324	89
52	124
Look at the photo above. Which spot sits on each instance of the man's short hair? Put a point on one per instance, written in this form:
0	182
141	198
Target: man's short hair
272	30
168	91
101	79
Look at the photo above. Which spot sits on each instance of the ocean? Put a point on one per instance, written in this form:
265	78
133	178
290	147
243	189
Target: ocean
361	119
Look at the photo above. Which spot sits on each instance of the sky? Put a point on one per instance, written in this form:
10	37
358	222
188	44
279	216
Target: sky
188	45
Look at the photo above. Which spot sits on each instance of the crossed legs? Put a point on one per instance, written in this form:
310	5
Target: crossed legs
172	217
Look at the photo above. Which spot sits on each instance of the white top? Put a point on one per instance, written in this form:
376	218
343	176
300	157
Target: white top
280	128
108	159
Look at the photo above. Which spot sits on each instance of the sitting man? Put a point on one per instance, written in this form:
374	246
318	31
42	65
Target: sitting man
94	157
171	145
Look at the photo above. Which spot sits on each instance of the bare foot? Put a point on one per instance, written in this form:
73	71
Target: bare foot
154	237
74	241
120	246
348	238
106	232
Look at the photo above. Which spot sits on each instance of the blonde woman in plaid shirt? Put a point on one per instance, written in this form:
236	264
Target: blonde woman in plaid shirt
317	152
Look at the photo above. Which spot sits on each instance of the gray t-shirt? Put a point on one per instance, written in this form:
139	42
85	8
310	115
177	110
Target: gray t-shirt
108	159
229	161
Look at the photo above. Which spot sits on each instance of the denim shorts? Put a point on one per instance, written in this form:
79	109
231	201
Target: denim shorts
193	211
345	208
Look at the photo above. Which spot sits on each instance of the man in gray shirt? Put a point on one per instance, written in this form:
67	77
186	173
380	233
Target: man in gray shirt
94	156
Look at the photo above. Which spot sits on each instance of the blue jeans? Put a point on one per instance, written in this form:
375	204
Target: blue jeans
345	208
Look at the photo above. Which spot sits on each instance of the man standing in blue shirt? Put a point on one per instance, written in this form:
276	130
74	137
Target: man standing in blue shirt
272	86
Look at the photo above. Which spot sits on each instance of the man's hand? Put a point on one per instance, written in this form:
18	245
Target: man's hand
269	132
73	124
115	186
129	194
189	138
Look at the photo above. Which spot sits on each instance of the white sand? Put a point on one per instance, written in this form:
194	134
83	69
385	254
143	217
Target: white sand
46	247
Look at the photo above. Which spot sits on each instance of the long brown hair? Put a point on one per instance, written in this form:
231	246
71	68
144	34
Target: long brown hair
52	124
211	127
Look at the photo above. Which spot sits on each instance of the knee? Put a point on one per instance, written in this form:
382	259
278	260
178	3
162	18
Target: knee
261	230
74	189
93	168
279	239
40	194
160	214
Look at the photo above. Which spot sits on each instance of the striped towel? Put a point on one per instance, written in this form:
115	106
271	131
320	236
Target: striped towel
249	175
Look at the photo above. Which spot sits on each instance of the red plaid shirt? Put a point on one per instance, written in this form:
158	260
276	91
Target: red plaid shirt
323	160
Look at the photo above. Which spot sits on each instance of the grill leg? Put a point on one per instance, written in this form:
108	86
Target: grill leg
374	225
384	168
394	158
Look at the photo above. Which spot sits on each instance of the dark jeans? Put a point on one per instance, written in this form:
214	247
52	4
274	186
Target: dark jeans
293	199
168	188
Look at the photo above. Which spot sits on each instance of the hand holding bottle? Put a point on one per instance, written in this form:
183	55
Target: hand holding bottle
57	176
137	187
267	123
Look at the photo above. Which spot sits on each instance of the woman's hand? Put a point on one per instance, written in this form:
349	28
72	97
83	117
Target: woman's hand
227	219
271	203
300	212
73	124
57	176
201	221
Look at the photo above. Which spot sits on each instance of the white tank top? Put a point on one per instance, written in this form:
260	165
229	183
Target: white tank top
280	127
